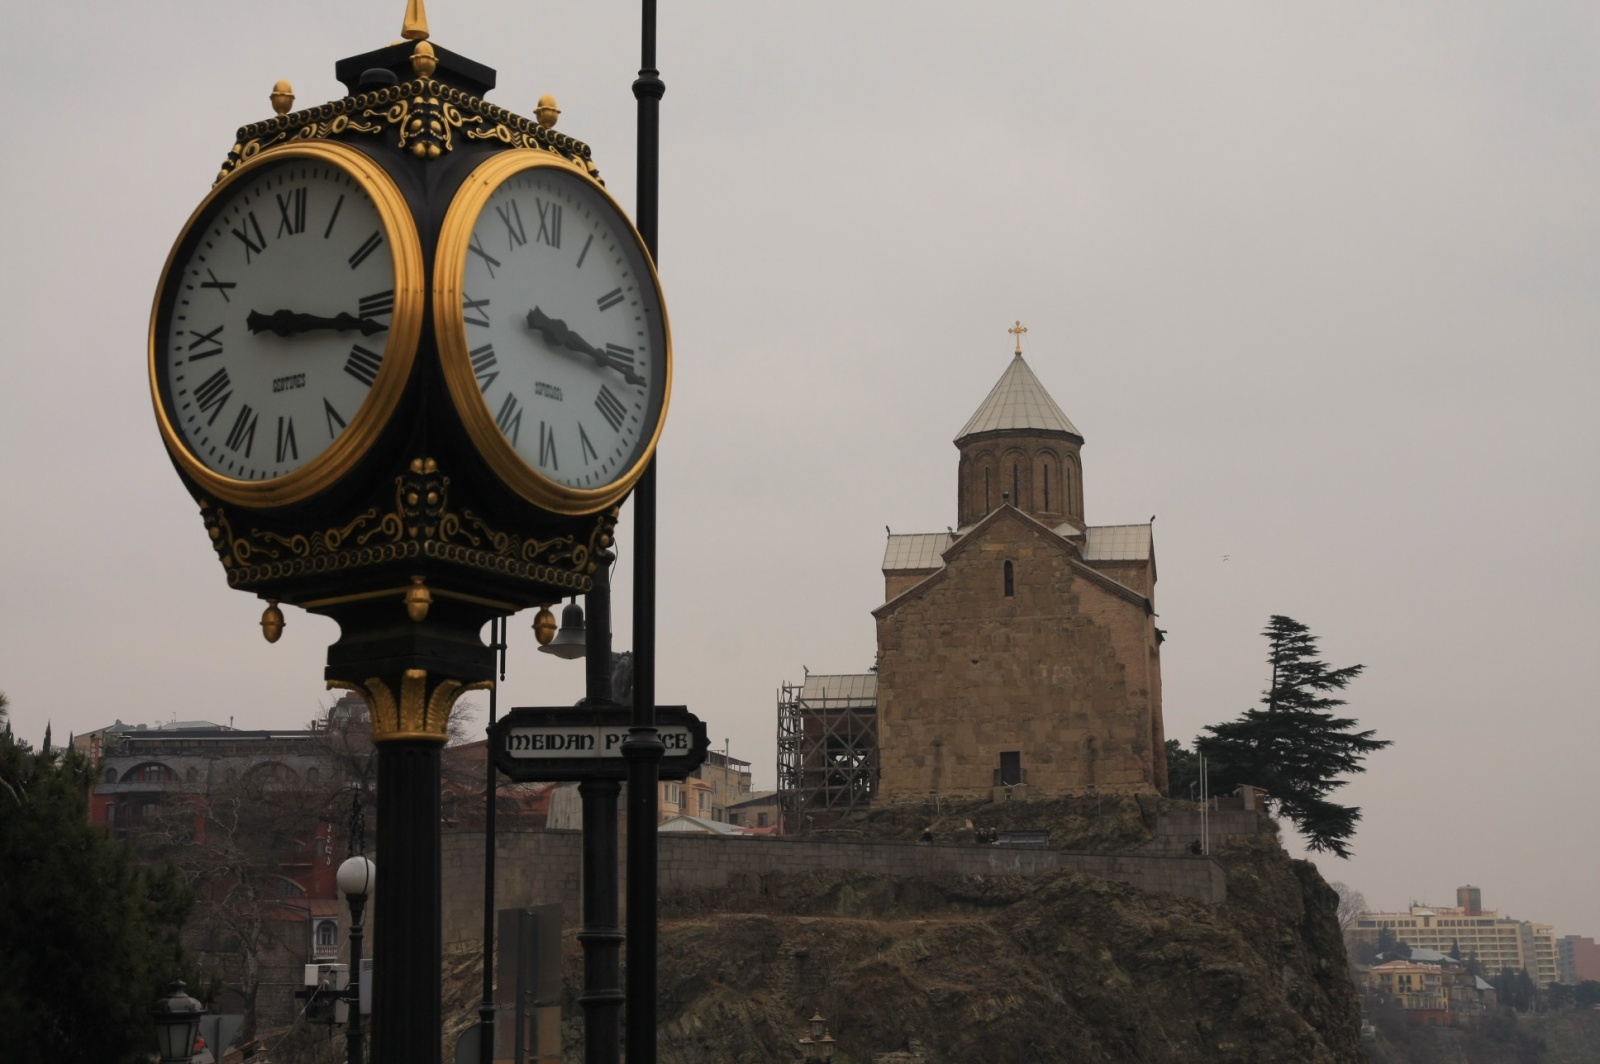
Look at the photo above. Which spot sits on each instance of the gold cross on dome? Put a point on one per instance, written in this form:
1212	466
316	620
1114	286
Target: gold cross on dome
1017	330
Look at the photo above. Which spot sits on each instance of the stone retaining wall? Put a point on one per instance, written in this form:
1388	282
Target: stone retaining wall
540	867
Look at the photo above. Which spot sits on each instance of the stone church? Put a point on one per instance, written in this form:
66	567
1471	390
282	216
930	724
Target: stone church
1018	650
1021	648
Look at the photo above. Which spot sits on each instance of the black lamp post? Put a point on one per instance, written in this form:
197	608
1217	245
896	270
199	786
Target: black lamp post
355	878
644	749
177	1019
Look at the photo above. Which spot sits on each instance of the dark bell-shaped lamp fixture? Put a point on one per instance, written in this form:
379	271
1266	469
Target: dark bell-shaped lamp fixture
570	641
177	1019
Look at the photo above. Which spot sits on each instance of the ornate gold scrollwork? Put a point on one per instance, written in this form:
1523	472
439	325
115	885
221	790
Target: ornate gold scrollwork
420	525
424	115
421	711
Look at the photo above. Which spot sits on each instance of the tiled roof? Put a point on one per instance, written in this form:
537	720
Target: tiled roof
918	551
846	691
1017	401
1117	543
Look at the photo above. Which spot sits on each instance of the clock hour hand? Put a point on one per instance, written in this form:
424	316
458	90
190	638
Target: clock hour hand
556	333
289	323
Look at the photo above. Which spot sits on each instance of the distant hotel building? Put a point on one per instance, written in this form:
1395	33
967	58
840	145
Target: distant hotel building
1498	941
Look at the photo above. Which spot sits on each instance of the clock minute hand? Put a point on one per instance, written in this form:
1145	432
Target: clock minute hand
555	331
290	323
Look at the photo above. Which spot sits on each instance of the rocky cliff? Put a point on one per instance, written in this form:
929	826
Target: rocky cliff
997	969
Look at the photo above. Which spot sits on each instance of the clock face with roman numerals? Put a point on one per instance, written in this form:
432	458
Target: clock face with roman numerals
552	331
286	323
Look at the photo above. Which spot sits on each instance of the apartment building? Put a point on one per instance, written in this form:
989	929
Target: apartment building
1498	941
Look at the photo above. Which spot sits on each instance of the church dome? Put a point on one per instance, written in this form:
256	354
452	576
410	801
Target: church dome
1018	402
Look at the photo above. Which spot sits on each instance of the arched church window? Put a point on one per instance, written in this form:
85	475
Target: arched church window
1066	485
985	491
1011	580
1016	484
1047	487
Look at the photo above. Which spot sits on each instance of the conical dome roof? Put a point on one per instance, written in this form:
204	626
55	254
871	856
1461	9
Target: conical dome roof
1018	401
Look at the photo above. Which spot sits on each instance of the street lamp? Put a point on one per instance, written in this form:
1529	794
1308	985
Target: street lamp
177	1019
570	641
355	878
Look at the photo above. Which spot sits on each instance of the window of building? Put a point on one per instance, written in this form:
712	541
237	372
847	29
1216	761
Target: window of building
111	775
1010	768
1016	485
1047	487
761	820
327	933
986	506
1011	580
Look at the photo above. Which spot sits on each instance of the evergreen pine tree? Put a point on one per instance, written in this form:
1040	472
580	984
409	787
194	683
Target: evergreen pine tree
90	940
1295	747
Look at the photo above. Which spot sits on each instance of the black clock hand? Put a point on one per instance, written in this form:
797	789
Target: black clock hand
556	333
288	323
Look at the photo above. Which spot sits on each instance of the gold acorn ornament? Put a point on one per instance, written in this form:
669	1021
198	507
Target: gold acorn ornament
282	97
418	600
544	625
272	621
423	60
547	112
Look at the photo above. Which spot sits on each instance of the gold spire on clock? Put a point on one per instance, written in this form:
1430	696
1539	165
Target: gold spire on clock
416	24
1017	330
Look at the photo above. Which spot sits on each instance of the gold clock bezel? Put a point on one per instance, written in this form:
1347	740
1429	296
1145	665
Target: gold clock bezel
399	355
449	323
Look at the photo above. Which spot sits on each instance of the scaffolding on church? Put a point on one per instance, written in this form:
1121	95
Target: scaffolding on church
827	748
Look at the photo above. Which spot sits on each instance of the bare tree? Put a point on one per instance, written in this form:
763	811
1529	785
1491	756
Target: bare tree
1352	903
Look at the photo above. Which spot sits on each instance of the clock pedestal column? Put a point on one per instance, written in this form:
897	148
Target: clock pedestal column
410	669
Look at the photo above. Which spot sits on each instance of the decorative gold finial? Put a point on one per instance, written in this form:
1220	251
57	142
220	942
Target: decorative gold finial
547	112
416	24
544	625
272	621
418	599
1017	330
423	61
282	97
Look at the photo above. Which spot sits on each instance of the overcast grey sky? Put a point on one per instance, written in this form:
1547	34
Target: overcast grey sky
1317	281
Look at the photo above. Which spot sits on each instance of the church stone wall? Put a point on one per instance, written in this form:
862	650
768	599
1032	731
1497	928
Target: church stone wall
1059	672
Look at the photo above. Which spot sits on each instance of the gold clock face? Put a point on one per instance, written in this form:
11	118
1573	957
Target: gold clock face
552	332
286	324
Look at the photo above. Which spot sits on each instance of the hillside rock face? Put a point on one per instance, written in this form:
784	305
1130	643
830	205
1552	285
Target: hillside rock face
1061	968
996	969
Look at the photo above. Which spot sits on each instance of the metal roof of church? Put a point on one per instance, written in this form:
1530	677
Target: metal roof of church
1117	543
1103	543
921	550
1017	401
